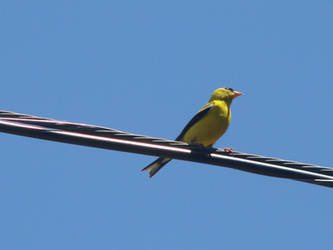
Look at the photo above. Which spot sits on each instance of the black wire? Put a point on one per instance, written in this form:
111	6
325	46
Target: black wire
106	138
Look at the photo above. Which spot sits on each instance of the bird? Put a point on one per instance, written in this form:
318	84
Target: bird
206	127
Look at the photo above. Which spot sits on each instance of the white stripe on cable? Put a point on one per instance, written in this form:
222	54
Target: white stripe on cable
275	166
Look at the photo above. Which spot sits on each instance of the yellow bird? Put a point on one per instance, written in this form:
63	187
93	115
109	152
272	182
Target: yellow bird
206	127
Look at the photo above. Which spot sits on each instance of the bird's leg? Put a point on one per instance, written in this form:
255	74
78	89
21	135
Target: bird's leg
197	147
228	150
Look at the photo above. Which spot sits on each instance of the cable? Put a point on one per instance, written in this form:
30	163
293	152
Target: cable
106	138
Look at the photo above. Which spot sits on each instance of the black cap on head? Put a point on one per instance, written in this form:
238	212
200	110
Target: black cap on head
230	89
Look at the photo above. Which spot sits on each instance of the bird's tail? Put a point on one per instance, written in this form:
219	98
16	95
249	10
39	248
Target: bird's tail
156	165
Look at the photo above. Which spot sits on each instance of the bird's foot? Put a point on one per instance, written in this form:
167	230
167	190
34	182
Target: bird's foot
228	150
196	147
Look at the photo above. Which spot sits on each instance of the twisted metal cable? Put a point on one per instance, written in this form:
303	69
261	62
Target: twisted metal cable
103	137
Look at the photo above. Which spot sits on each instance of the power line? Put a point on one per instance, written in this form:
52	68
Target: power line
102	137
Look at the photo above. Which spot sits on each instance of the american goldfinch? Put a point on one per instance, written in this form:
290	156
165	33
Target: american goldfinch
206	127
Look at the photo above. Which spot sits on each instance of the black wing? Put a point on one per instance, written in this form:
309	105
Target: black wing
194	120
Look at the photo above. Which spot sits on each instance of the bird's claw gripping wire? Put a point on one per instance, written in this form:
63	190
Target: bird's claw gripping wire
228	150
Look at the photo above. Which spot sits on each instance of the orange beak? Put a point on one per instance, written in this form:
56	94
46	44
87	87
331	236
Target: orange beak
236	93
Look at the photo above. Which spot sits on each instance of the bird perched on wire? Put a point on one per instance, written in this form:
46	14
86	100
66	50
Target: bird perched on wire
206	127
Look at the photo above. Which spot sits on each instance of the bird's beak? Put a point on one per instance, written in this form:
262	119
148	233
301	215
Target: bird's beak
236	93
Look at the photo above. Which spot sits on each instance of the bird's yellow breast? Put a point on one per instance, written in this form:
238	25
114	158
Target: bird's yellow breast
211	127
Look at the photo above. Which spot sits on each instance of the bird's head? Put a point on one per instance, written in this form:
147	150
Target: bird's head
225	94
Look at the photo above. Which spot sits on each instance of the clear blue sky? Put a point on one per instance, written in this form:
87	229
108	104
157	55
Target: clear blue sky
146	67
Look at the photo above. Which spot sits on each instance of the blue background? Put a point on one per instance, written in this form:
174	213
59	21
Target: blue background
146	67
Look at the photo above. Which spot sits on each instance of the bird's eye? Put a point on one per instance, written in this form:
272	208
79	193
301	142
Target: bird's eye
230	89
